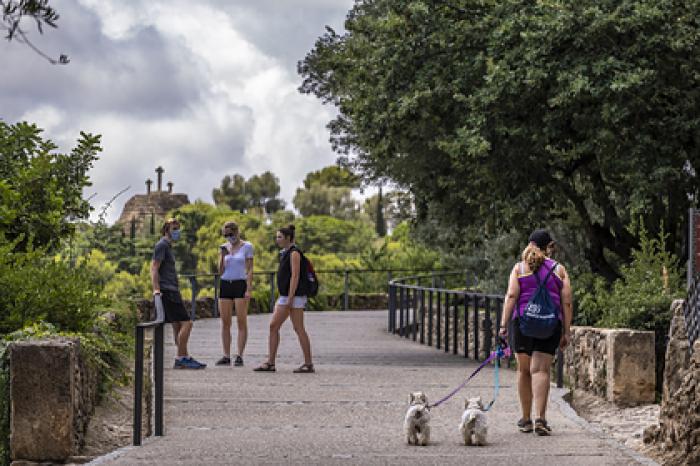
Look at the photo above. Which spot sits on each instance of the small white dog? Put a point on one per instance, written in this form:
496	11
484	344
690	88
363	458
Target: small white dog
417	420
473	425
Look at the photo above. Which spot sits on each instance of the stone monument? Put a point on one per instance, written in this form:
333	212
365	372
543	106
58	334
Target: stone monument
144	210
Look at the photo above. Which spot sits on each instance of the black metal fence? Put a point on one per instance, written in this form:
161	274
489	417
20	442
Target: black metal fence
441	310
157	326
337	281
691	311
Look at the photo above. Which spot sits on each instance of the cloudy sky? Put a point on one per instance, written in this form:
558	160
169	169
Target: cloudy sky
204	88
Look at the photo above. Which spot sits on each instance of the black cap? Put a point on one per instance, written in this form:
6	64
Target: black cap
541	238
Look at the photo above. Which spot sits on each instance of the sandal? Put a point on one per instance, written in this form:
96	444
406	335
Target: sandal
542	428
525	425
265	367
304	369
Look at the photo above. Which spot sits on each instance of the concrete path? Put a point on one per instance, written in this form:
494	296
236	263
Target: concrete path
350	412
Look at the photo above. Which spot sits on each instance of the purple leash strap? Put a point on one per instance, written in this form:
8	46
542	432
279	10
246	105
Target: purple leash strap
461	386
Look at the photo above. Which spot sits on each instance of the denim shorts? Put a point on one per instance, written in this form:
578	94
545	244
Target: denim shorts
299	302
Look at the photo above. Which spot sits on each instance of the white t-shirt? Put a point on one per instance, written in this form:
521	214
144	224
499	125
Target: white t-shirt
234	264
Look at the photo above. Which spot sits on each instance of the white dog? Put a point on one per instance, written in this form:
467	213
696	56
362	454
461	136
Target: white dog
473	425
417	420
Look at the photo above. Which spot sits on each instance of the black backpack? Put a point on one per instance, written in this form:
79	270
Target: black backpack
308	281
541	316
309	277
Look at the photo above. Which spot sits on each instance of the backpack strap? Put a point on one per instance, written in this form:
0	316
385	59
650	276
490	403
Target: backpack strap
549	274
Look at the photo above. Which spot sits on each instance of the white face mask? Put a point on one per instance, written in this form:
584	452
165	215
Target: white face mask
232	238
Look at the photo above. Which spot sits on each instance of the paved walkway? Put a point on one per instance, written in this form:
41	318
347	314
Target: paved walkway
350	412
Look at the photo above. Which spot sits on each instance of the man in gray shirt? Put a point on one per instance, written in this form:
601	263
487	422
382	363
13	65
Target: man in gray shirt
165	284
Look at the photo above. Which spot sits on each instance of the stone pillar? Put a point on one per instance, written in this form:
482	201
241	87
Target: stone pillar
149	182
170	187
160	171
42	379
631	371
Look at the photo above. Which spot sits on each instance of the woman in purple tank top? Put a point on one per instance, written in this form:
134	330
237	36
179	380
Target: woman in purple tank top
535	355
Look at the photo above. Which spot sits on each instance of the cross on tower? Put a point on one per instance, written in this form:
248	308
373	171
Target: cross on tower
149	182
170	186
160	171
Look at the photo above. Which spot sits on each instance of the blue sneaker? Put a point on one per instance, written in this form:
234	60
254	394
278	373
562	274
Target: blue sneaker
188	363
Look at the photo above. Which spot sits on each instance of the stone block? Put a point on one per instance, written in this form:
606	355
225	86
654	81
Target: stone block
42	378
631	378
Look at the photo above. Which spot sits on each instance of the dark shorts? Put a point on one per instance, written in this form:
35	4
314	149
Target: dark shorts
232	289
173	306
528	345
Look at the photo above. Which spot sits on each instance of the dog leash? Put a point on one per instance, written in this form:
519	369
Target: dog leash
500	352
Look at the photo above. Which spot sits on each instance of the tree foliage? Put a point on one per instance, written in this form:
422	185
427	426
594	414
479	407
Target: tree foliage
514	114
41	190
259	193
334	176
320	199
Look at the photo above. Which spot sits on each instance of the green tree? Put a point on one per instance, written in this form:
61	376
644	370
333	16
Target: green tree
334	176
231	193
500	115
263	191
320	199
259	192
41	189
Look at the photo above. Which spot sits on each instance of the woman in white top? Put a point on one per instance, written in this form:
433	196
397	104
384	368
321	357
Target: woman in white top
236	285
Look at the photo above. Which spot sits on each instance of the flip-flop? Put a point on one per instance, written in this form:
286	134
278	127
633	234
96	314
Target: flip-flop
304	369
265	367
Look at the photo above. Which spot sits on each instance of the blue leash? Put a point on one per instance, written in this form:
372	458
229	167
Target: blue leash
502	351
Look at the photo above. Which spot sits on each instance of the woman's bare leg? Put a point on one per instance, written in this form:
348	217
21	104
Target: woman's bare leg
242	321
225	311
297	316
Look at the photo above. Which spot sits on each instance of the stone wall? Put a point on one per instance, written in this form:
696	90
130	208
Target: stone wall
205	306
615	364
677	434
52	395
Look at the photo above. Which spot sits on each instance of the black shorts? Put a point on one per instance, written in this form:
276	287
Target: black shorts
173	306
232	289
525	344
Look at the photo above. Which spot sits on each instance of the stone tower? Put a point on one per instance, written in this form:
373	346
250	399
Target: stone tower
143	210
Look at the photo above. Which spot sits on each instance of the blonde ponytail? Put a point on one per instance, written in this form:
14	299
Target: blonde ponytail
533	257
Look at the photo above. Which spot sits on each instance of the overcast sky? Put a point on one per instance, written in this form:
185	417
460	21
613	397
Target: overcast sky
204	88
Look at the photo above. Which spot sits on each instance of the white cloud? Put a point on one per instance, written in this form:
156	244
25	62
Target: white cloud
184	85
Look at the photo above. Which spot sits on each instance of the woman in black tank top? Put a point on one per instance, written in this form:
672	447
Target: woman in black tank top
291	302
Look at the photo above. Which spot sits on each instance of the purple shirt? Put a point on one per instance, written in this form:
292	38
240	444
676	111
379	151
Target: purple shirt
528	286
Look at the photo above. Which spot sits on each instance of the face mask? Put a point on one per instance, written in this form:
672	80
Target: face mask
231	239
175	235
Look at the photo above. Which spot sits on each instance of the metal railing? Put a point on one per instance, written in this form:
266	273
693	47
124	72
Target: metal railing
157	326
691	311
350	276
434	314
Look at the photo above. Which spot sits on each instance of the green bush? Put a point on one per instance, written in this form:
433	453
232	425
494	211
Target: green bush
37	288
640	299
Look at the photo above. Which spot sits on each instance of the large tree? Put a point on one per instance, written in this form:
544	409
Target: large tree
258	192
41	190
510	114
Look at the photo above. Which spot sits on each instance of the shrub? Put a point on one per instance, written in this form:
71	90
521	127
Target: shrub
37	288
641	298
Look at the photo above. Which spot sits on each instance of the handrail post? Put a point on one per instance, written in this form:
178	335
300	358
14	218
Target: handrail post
346	286
138	386
488	327
216	295
430	318
193	287
560	368
158	376
272	292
